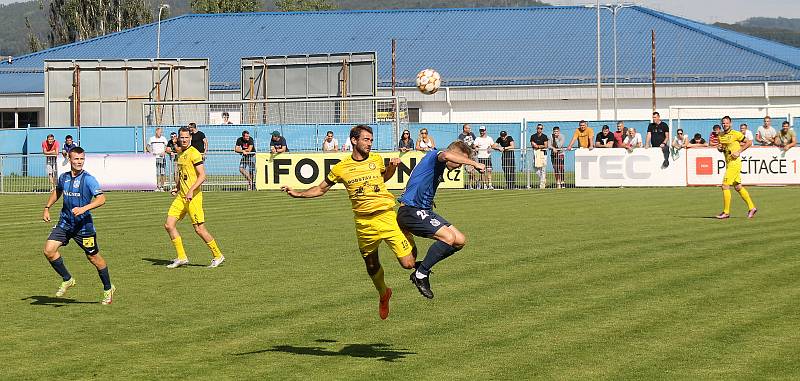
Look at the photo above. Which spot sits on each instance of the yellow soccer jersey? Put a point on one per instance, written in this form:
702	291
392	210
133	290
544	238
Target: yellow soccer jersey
364	183
187	160
730	143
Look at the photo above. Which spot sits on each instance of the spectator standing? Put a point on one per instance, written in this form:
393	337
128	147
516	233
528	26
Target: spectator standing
199	140
157	145
406	143
540	143
746	131
330	144
765	135
468	138
557	156
425	143
633	140
658	137
619	134
506	144
583	135
246	146
69	144
604	139
50	151
483	147
786	138
278	143
697	142
713	139
173	146
681	141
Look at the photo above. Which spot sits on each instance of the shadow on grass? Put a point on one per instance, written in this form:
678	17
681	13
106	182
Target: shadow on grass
702	217
164	262
379	351
41	300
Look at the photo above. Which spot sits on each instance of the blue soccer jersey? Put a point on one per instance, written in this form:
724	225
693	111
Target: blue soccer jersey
424	181
77	191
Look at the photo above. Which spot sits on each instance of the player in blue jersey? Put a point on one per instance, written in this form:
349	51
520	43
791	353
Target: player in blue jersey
81	193
416	215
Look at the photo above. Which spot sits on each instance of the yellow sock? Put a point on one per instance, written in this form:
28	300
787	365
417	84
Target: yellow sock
214	249
377	280
746	197
726	201
178	243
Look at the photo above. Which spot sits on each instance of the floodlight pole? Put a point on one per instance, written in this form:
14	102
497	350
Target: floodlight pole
614	8
158	33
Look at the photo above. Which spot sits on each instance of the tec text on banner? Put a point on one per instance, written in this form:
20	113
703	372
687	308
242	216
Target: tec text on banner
616	167
760	166
305	170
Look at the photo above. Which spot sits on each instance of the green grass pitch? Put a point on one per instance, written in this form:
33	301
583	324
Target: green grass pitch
553	284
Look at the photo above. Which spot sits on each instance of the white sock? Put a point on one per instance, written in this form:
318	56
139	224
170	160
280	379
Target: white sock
420	275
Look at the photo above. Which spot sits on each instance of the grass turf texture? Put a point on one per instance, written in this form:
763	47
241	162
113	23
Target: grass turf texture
570	284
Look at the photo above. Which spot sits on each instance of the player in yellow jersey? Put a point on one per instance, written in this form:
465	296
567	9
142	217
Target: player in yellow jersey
363	175
189	178
732	143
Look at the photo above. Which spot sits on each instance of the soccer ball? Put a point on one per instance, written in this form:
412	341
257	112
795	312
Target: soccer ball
428	81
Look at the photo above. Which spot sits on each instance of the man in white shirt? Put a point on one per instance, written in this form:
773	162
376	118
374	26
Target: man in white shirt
330	144
157	145
746	131
483	146
765	135
633	140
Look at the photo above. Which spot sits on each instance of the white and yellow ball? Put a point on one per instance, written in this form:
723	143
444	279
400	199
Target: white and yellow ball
428	81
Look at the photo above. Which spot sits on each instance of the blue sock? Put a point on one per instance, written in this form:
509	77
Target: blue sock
437	252
105	278
58	265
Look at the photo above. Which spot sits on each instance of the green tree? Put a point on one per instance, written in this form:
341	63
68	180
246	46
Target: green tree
77	20
225	6
305	5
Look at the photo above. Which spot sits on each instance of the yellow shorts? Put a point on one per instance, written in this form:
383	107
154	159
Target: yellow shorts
180	207
381	226
733	173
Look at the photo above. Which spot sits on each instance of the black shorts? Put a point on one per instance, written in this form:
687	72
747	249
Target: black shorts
86	242
487	162
161	165
420	222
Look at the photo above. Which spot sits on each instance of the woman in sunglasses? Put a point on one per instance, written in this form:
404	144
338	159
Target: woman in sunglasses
425	143
406	143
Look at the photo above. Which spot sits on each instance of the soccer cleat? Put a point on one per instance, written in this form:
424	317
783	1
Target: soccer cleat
178	263
65	285
723	216
423	285
383	305
752	213
108	296
216	262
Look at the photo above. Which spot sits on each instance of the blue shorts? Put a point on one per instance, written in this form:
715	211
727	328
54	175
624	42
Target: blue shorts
420	222
86	242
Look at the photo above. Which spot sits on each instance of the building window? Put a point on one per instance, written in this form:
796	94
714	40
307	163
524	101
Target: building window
7	119
413	115
28	118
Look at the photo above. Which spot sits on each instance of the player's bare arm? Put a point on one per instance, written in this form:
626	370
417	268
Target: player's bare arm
54	196
445	156
97	202
316	191
391	168
201	178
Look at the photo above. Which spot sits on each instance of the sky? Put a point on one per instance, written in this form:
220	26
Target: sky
708	11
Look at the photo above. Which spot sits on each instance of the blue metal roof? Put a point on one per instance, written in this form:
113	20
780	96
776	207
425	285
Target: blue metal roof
469	47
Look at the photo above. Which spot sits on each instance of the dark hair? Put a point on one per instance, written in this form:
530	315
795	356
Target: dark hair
785	123
225	113
716	126
540	125
184	129
68	137
355	132
605	127
680	130
743	124
583	121
556	128
329	132
77	150
656	113
726	117
698	136
193	124
50	136
245	132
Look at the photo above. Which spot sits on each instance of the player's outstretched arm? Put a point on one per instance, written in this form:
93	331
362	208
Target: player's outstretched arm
316	191
461	160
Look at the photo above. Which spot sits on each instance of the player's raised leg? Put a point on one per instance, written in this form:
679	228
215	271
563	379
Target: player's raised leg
57	262
449	240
